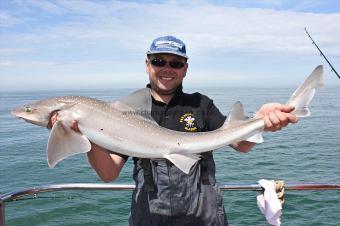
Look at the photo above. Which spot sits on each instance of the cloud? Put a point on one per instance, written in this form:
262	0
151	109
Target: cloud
82	36
203	26
16	64
9	20
15	50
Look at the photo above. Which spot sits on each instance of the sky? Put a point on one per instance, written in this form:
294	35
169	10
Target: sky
77	44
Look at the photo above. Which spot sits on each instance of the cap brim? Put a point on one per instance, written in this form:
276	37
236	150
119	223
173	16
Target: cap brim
169	52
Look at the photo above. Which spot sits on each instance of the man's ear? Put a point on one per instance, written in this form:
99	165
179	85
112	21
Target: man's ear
147	66
185	69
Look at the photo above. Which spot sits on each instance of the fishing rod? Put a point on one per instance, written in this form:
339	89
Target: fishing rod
322	53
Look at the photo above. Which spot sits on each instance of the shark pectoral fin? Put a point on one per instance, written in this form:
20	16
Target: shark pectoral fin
183	161
64	142
257	138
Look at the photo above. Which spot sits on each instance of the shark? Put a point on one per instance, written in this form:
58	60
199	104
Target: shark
118	127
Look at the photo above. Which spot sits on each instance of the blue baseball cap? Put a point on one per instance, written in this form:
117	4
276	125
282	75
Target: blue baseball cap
168	44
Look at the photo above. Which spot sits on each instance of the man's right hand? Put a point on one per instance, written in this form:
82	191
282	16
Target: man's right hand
54	119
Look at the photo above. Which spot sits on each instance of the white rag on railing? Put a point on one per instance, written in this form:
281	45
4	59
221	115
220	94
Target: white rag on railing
269	203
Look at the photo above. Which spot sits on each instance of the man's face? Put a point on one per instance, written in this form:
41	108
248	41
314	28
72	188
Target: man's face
165	79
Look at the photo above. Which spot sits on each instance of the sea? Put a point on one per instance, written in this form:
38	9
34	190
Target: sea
306	152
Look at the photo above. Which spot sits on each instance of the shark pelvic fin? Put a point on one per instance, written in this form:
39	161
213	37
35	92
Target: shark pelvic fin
64	142
257	138
183	161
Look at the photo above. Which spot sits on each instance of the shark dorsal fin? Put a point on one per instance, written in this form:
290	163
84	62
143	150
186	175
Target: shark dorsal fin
141	102
129	111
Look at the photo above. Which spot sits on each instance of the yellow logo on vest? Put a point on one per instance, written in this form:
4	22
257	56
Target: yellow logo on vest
189	120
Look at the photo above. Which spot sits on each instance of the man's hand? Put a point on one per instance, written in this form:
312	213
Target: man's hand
54	119
276	116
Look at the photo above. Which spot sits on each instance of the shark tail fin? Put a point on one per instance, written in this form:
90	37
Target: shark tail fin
304	94
238	116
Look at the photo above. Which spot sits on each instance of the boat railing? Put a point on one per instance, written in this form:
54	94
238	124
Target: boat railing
33	191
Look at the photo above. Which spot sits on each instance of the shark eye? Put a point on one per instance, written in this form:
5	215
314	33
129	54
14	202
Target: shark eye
28	109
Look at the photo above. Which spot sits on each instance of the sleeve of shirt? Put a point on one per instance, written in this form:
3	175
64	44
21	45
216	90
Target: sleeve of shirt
215	118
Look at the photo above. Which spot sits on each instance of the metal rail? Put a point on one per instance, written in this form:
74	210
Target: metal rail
33	191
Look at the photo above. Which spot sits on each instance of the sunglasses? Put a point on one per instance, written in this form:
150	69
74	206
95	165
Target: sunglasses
161	63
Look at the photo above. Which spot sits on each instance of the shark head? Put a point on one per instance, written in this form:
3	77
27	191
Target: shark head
39	112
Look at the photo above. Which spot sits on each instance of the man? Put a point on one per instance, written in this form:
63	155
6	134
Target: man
164	195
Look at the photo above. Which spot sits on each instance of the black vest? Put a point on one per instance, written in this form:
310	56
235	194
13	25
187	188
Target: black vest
164	194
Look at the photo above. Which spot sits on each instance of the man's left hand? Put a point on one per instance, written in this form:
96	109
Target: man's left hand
276	116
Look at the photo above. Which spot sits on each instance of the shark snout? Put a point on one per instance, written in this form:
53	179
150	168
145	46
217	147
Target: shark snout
17	112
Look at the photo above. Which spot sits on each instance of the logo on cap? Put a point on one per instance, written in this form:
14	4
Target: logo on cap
168	44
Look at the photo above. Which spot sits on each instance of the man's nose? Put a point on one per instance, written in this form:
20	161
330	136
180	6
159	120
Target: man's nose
167	68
